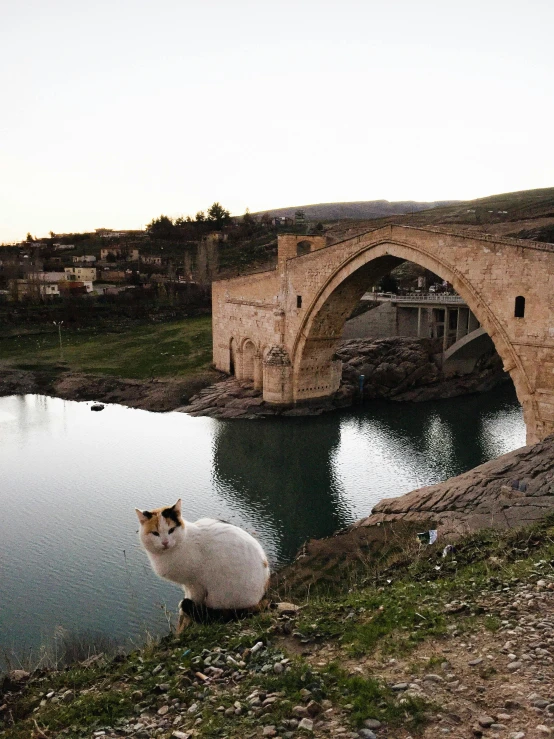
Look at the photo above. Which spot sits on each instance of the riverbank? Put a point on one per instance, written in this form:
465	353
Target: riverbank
155	394
181	378
390	637
396	369
152	366
408	642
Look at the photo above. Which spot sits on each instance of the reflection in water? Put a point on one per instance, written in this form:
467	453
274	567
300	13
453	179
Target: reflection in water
78	476
285	475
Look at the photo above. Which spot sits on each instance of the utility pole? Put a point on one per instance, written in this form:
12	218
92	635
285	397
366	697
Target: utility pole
59	325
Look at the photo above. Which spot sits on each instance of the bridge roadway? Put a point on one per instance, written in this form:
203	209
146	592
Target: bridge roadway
280	328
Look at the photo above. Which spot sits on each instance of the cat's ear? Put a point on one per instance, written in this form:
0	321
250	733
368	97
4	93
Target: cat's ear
143	516
177	506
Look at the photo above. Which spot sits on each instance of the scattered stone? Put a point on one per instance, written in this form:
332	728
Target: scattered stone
307	724
475	662
19	675
372	723
314	708
163	710
288	609
367	734
514	666
485	721
434	678
400	686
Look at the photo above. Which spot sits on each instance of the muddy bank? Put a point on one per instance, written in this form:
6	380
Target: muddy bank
511	491
150	395
398	369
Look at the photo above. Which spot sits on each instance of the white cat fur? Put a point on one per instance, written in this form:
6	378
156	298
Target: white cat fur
217	564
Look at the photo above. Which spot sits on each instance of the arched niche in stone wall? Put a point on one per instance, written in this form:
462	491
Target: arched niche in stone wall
248	359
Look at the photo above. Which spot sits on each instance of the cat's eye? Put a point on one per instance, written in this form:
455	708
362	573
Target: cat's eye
154	533
171	530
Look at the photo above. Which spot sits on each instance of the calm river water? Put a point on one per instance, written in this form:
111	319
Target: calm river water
71	479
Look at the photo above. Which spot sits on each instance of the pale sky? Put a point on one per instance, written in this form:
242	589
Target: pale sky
115	111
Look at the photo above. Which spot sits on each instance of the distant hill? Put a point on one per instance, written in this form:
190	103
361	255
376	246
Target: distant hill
358	210
527	214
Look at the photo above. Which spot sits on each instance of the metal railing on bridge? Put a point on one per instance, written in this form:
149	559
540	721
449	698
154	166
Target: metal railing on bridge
415	298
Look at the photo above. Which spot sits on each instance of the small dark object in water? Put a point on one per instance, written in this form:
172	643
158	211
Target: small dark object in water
97	407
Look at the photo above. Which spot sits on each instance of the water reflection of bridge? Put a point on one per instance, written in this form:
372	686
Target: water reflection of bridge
286	478
298	477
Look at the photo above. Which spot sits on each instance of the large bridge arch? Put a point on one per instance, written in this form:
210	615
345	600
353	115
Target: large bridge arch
337	297
297	310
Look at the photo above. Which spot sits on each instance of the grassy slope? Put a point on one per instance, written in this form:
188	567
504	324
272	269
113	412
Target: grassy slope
178	349
383	608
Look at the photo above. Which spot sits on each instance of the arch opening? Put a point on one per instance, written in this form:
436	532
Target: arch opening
316	370
303	247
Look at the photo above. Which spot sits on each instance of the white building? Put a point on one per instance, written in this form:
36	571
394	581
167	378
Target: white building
80	274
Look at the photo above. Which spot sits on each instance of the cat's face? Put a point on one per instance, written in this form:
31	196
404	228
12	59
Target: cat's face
161	529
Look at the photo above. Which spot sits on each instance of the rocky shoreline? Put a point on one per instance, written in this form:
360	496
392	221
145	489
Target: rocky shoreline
157	394
509	492
398	369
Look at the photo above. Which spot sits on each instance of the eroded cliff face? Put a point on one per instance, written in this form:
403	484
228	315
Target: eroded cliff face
512	490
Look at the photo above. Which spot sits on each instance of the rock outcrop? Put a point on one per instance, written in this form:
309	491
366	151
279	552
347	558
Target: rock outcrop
512	490
404	369
151	395
399	369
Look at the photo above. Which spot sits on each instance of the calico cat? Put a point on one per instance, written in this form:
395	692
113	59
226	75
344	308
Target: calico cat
220	566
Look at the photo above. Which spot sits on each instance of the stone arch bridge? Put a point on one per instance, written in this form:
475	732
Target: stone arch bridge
280	328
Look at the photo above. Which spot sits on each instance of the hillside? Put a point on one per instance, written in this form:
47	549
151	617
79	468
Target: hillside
525	214
357	209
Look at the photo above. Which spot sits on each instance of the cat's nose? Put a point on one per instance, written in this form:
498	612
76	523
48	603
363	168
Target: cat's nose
165	544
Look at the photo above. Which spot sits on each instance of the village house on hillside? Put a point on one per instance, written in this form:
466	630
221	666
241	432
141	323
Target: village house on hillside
80	274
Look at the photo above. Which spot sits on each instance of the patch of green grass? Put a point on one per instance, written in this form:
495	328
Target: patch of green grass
370	698
392	619
492	623
179	348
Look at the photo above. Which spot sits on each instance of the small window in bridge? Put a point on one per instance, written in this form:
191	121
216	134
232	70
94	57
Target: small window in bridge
303	247
299	301
519	311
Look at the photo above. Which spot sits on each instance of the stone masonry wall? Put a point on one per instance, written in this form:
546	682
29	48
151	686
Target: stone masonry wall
303	305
